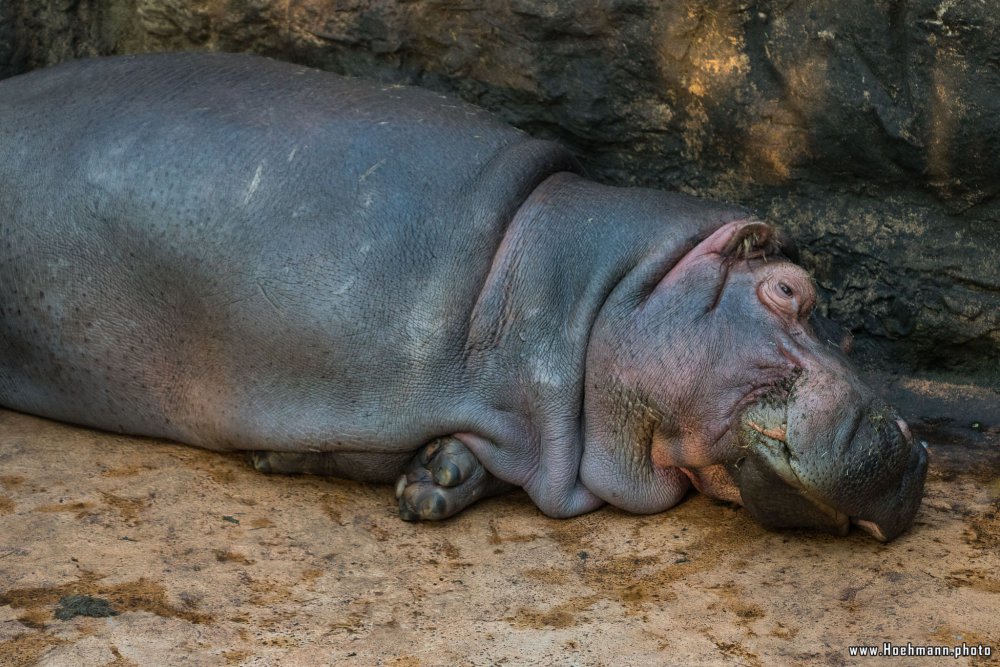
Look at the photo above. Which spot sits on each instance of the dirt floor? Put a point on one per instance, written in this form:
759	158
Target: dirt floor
207	562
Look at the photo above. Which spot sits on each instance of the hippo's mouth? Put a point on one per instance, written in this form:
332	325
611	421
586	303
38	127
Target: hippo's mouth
771	484
770	488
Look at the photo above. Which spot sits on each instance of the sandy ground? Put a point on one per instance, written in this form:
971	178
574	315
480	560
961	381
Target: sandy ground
210	563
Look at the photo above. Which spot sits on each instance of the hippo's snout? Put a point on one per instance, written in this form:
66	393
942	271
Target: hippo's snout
885	521
823	460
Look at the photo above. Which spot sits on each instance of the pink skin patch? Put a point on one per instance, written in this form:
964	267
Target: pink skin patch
715	482
725	240
787	293
782	288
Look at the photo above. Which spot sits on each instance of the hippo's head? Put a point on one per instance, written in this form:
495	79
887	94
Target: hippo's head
714	371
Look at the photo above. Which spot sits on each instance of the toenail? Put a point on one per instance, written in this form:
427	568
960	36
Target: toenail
447	474
428	452
433	506
406	514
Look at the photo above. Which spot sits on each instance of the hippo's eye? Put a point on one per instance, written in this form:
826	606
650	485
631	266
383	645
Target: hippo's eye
789	293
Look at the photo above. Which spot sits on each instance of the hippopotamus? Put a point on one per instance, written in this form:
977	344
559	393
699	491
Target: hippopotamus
383	283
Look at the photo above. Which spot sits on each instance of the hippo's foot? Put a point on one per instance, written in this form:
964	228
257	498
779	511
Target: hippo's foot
443	479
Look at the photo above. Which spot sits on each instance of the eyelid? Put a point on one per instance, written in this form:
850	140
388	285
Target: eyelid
798	303
789	300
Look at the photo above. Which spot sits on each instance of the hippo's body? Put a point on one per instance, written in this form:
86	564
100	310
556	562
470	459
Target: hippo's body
237	253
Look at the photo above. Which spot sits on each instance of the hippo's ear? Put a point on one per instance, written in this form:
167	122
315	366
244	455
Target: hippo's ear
733	241
750	239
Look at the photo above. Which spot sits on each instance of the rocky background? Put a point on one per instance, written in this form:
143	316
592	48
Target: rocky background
869	130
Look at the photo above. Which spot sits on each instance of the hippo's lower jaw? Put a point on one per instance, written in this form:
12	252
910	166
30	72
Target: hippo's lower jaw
775	497
775	486
778	503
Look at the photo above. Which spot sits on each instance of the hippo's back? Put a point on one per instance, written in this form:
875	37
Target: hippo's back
232	251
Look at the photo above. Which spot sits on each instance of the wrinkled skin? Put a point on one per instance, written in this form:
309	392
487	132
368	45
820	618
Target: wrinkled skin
783	426
385	284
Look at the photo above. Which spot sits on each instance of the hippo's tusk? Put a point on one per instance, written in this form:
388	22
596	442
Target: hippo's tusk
779	433
871	528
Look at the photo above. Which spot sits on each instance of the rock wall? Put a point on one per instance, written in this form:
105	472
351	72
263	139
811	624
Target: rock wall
870	130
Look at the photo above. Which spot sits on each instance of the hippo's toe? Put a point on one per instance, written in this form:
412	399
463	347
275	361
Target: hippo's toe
443	479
